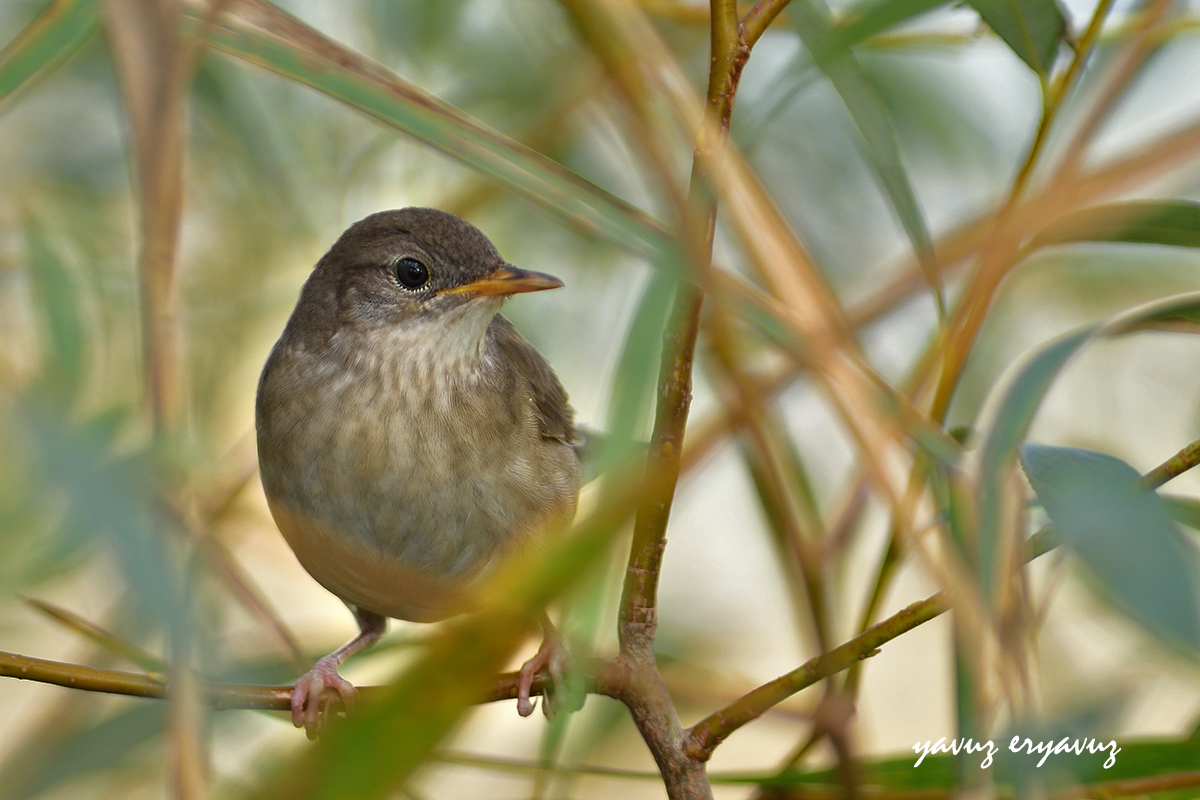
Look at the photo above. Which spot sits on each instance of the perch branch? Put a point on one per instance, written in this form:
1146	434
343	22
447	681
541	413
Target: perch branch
612	678
704	736
601	677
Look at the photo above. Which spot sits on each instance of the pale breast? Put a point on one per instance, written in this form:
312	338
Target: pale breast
386	467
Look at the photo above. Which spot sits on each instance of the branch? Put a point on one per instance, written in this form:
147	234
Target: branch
1145	40
638	615
639	598
759	18
649	701
704	736
600	677
1173	467
621	43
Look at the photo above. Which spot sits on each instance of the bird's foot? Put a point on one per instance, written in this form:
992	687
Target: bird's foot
552	655
309	704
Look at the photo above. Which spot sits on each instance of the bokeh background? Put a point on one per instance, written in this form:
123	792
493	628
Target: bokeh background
103	518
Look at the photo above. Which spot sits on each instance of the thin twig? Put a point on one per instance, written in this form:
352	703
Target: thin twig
704	736
97	635
1173	467
613	39
759	18
1142	44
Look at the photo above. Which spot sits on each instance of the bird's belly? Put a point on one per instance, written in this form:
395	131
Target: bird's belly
362	576
399	510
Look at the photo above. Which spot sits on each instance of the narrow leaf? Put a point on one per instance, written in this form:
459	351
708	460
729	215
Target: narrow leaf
64	339
1147	758
859	23
1174	315
1175	223
875	16
632	393
814	25
99	636
54	36
261	34
108	495
1012	422
1032	28
1122	533
1184	510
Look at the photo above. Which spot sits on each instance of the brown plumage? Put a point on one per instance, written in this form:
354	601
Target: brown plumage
408	436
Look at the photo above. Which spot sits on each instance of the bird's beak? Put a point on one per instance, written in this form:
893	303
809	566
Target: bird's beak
507	280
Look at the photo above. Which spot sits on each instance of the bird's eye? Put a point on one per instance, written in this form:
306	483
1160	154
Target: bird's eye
411	273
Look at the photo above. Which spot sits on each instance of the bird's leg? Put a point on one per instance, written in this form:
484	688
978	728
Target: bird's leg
308	693
552	654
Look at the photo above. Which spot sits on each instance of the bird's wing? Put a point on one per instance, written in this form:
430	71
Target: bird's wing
554	412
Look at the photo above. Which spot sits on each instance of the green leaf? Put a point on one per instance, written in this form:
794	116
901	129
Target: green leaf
108	495
263	35
814	25
54	36
1184	510
1180	315
875	16
63	358
1121	531
1032	28
1136	760
1023	397
859	23
1175	223
1024	763
1012	422
632	392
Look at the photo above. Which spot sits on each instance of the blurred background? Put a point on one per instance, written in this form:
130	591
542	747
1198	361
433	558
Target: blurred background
138	533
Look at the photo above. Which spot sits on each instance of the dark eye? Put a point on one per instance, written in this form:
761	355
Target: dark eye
411	273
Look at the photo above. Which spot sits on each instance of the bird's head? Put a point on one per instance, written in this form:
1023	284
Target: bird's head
413	267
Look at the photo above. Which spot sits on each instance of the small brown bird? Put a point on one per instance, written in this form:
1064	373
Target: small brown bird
408	436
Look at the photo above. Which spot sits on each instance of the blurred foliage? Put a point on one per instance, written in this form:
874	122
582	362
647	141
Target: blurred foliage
956	175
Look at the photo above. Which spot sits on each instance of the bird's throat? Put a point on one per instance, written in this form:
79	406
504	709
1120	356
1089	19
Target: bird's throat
432	351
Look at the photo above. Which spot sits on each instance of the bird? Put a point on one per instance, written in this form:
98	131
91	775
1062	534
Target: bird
408	436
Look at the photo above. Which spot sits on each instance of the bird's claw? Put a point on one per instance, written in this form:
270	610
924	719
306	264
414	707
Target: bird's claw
551	655
310	705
